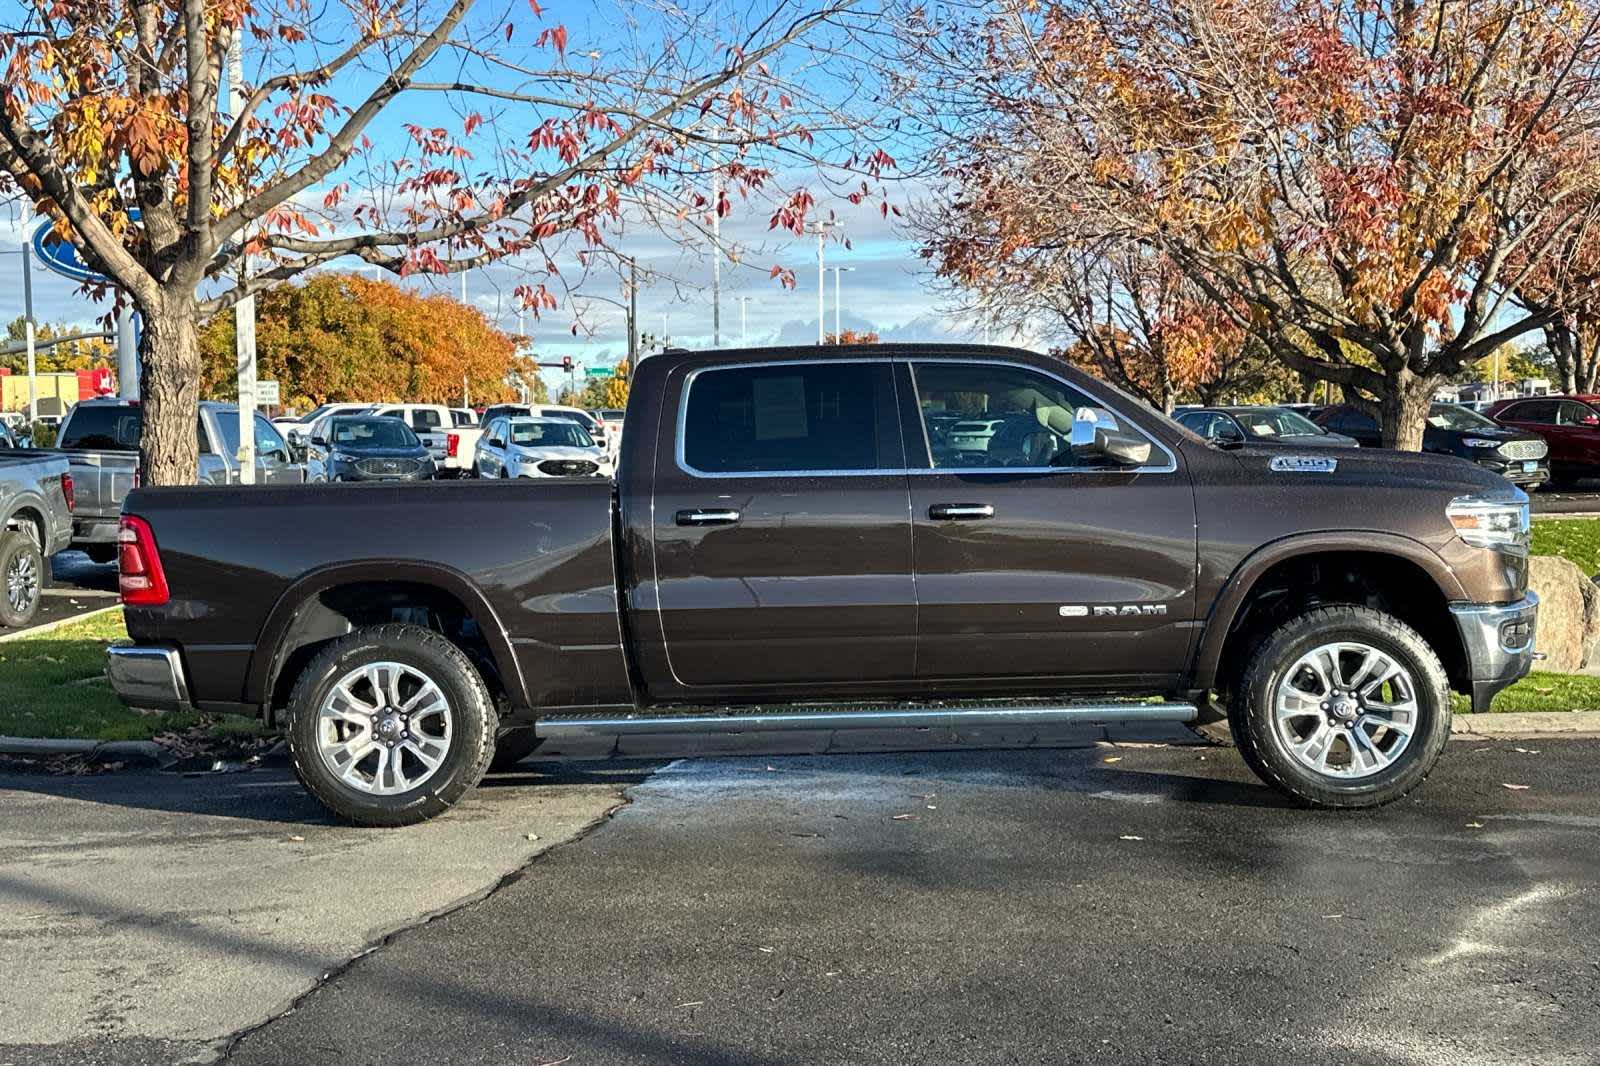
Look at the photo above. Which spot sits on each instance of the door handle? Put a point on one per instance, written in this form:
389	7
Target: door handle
707	518
961	512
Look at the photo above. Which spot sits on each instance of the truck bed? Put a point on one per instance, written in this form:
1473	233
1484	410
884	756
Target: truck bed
532	564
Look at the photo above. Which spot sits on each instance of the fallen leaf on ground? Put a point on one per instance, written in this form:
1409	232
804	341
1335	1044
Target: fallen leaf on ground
1514	788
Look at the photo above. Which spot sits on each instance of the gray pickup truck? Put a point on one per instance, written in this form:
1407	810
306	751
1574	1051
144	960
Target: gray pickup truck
101	440
36	496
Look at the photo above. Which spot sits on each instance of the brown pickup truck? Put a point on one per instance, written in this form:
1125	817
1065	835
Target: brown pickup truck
829	538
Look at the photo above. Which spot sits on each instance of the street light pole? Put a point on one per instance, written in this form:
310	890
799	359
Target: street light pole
633	313
821	229
716	258
838	299
27	310
244	312
744	334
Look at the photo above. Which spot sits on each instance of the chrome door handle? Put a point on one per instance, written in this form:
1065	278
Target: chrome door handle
707	518
961	512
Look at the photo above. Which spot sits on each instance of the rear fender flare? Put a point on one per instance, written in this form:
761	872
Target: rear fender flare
1208	659
270	652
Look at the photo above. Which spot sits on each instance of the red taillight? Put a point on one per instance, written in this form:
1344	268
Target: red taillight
66	492
452	444
139	575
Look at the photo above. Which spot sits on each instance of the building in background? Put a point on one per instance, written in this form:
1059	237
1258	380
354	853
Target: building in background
57	391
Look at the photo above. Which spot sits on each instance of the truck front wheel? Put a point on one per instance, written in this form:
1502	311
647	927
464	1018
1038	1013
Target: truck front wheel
1344	707
390	725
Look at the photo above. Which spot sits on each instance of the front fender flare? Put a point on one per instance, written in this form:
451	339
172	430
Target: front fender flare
1208	657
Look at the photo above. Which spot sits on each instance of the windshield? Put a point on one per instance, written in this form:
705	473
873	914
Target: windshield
1454	416
1277	422
358	433
550	435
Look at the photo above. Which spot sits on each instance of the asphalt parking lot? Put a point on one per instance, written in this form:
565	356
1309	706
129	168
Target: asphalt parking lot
1128	904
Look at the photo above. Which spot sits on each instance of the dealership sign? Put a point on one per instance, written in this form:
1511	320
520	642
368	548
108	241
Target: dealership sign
61	255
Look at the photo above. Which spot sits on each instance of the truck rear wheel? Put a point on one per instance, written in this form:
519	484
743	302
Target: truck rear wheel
390	725
21	578
1343	707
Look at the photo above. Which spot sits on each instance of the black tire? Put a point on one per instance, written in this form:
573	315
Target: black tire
512	746
1252	717
101	553
473	724
22	578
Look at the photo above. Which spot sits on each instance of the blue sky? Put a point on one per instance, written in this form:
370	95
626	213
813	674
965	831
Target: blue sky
887	290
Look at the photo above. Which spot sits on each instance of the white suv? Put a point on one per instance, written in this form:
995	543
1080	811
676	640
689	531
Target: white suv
539	447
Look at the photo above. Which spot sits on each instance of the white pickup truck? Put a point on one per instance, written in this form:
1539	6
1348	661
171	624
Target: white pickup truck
451	445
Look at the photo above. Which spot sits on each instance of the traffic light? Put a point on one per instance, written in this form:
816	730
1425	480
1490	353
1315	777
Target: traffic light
566	363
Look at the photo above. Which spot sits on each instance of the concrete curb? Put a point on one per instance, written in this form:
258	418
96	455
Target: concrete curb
1526	724
22	634
43	746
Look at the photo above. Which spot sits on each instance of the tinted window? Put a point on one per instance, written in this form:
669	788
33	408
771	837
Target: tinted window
464	418
504	410
979	415
102	428
1349	420
1276	422
1573	413
574	416
817	416
1542	412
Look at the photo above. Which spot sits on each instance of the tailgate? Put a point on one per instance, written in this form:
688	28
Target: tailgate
101	481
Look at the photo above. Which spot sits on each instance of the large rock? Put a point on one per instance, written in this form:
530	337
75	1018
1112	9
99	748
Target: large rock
1569	613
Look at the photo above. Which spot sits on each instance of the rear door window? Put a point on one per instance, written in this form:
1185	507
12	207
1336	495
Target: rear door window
101	428
1539	412
790	418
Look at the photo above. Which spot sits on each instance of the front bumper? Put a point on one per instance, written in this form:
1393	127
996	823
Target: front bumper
149	677
1498	638
1516	471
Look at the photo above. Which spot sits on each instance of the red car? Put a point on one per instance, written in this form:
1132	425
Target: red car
1569	424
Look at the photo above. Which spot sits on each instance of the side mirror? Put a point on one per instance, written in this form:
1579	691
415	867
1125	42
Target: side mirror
1090	436
321	442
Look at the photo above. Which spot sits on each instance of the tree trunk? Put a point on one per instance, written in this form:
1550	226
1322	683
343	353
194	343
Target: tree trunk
1586	361
1404	408
169	388
1563	350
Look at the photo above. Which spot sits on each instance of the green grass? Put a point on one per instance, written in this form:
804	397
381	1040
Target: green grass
1577	539
54	685
1546	692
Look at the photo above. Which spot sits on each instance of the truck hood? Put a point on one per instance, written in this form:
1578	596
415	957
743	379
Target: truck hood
1373	467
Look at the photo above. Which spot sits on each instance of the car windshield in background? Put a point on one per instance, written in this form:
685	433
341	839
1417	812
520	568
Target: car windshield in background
611	414
509	410
577	417
550	435
358	433
1276	422
1454	416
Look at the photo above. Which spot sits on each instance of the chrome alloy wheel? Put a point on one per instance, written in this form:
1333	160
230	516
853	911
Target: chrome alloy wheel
1346	710
385	728
22	583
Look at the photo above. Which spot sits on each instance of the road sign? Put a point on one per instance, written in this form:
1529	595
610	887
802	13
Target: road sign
600	372
267	394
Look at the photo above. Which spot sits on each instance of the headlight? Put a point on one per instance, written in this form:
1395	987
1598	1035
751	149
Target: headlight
1479	442
1491	521
343	457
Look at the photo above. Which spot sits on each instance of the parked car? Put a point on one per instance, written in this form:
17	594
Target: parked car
538	448
610	419
36	498
784	550
101	440
373	448
590	424
1570	425
7	438
1261	425
299	429
1516	455
450	442
464	416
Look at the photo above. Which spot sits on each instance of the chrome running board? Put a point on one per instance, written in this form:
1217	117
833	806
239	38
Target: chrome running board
869	716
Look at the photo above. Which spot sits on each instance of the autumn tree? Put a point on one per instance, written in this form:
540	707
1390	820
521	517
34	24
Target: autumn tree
1353	183
519	140
851	336
81	353
347	337
1564	285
